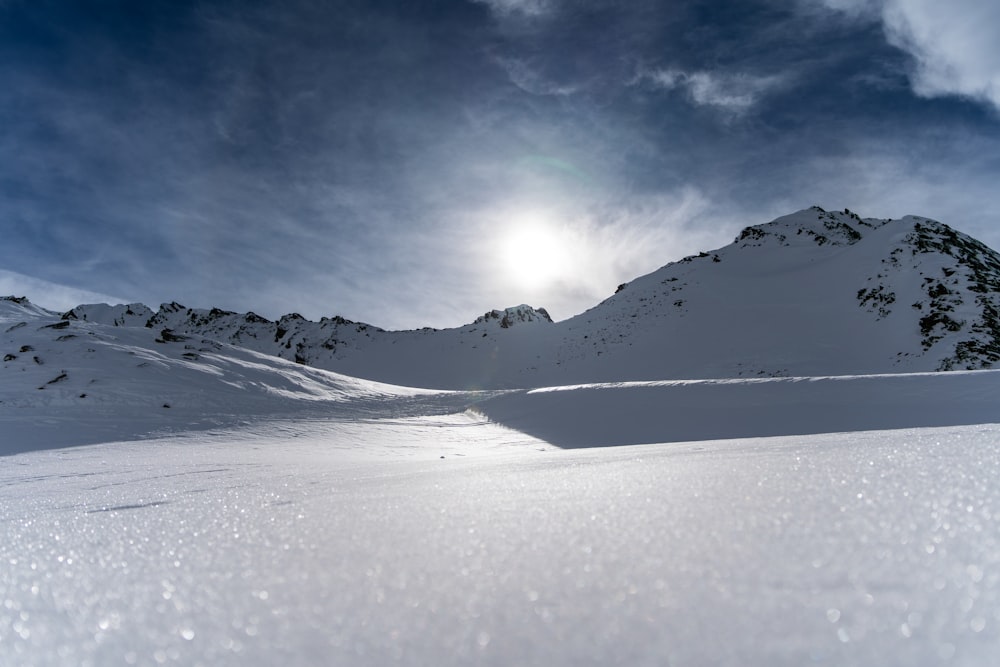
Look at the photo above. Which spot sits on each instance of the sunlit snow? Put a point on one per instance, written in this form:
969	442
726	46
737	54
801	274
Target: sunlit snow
315	544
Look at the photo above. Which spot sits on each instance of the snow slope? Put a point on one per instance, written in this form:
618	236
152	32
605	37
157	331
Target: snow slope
877	549
70	382
812	293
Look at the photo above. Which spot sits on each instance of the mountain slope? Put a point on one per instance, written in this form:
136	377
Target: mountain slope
811	293
65	382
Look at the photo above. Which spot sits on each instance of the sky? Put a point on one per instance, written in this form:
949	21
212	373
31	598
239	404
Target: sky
418	162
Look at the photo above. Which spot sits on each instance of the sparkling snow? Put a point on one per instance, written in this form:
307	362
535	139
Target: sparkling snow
311	544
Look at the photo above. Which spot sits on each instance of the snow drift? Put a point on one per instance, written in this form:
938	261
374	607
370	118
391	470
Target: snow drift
654	412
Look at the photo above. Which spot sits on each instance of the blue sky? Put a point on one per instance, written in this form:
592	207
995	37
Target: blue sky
416	163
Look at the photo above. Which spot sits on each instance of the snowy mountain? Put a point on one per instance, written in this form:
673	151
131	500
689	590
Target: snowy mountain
812	293
76	381
69	382
465	357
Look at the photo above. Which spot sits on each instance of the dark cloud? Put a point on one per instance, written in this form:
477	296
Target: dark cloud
369	158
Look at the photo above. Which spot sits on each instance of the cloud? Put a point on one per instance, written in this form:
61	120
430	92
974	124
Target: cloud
523	7
277	157
48	294
264	177
602	244
854	8
953	44
731	92
522	75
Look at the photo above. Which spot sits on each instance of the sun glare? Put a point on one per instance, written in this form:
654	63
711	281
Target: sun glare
535	252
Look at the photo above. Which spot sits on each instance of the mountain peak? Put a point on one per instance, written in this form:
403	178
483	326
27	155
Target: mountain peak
121	315
15	307
810	227
508	317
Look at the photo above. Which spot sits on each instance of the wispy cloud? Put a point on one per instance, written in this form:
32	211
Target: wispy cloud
48	294
614	240
525	77
522	7
734	92
853	8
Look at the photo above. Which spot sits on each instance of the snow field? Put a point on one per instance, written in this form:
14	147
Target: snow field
256	547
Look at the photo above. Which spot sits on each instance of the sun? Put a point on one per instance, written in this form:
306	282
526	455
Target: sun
535	252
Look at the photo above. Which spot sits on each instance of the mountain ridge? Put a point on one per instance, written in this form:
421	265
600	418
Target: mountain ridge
811	293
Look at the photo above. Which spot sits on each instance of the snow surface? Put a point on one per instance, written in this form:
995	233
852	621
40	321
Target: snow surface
277	513
255	547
